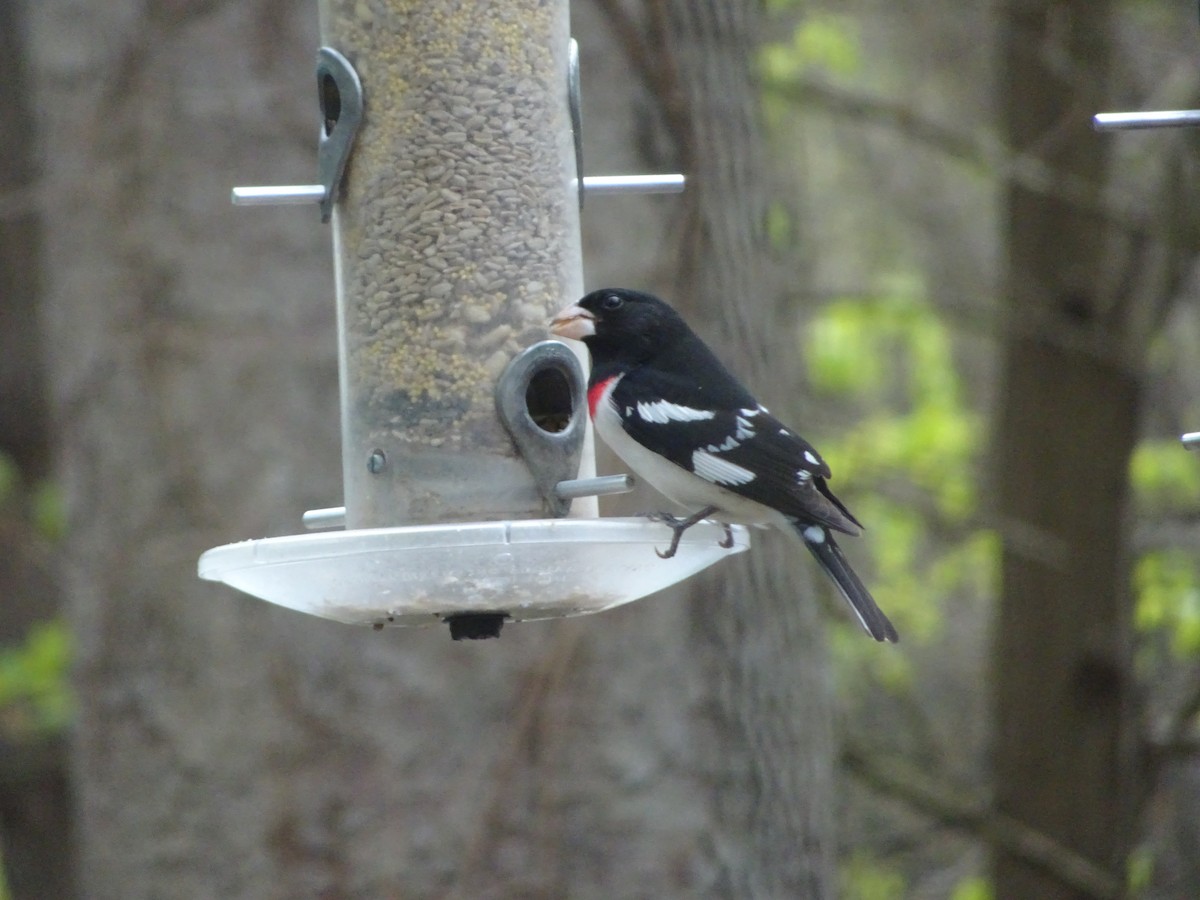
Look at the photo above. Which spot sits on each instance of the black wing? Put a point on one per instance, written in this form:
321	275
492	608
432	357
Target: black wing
720	433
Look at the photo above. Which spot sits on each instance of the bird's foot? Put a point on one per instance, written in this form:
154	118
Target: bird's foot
679	525
726	542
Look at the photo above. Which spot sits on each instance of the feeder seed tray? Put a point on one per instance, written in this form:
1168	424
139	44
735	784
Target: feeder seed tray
424	575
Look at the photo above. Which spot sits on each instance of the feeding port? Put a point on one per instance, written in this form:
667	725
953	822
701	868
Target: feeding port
450	173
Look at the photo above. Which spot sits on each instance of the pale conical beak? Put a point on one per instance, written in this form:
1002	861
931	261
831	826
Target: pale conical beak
573	322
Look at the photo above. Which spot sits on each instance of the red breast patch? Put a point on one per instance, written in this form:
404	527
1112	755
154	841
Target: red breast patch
596	391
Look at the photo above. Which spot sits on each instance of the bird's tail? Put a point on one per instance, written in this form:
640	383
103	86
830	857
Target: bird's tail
820	542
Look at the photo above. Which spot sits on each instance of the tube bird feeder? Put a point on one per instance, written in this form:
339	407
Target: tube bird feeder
450	172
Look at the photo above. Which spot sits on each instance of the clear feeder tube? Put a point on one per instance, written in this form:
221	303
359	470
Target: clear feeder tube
455	239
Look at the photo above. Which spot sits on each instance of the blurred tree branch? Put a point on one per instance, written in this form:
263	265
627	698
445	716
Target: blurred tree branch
628	32
973	149
957	809
642	44
533	725
1175	739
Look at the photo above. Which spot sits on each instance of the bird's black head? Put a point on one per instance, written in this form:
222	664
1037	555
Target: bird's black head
617	323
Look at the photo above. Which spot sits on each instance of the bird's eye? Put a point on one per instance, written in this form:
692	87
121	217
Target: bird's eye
612	301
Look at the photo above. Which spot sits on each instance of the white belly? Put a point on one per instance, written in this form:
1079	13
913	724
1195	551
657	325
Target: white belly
675	482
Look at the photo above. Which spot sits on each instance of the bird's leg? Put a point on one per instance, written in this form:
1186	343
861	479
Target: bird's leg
679	526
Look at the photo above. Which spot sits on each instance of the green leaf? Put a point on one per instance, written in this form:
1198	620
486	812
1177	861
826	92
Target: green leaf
864	878
50	510
1168	598
890	356
1139	870
781	226
35	694
842	353
1165	476
973	888
820	41
8	477
829	42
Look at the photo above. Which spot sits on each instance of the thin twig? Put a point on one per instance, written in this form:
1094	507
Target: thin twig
631	41
1027	171
972	815
547	676
1175	739
646	49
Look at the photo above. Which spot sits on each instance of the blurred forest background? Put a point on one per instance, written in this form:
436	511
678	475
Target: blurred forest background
899	227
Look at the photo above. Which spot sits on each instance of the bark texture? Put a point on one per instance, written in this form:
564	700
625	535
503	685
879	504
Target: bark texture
35	829
1062	643
755	623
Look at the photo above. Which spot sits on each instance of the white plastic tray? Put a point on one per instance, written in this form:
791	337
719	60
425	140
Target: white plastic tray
418	575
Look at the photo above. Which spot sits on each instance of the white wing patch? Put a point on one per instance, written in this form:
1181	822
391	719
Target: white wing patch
815	534
660	412
719	471
730	443
803	476
812	457
745	430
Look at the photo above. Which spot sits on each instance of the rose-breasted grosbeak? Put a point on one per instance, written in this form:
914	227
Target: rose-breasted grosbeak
665	404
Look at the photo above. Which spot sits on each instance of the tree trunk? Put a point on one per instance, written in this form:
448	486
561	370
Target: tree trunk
24	419
755	628
35	828
1062	642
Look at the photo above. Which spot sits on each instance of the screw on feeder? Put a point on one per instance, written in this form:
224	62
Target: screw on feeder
376	462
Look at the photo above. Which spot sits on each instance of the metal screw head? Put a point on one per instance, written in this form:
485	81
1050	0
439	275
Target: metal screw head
376	462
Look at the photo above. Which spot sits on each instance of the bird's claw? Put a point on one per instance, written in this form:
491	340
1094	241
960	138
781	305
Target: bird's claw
726	542
679	525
